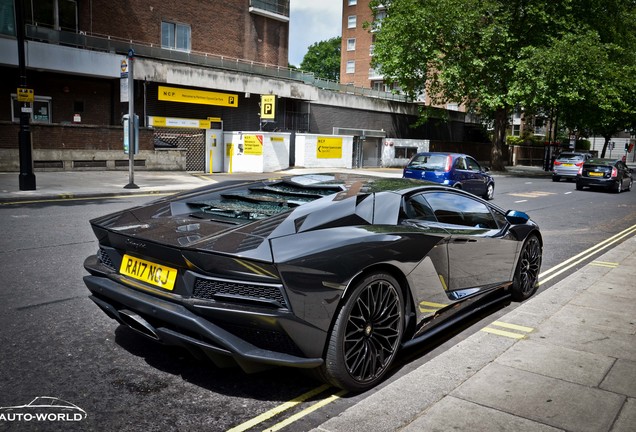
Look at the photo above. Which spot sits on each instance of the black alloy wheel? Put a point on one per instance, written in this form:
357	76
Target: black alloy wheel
527	273
366	335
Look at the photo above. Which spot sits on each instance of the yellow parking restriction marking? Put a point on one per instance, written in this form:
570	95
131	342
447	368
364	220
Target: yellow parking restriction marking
506	333
427	307
279	409
306	411
604	264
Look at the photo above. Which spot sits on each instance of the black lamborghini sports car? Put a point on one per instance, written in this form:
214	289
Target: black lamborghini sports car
335	272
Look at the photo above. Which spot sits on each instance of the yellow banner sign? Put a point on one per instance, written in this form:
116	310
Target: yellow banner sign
174	94
268	107
253	145
329	148
25	95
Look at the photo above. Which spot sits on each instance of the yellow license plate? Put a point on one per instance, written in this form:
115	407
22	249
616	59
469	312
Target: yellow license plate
595	174
568	164
149	272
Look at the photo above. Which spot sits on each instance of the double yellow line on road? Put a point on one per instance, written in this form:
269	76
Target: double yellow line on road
586	254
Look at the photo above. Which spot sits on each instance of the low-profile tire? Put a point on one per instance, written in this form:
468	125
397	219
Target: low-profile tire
490	192
579	186
366	334
556	179
526	275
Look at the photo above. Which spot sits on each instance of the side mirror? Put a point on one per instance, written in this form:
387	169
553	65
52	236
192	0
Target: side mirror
516	217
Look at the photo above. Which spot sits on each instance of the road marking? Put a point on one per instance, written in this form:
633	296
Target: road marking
279	409
306	411
604	264
503	333
513	326
426	307
567	193
520	201
506	333
588	253
536	194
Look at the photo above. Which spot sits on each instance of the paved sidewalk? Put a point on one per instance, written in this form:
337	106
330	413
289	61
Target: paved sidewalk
573	370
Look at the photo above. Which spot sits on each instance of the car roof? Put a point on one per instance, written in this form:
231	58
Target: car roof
570	154
600	161
454	155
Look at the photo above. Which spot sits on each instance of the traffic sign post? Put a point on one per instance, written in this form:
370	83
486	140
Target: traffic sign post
131	115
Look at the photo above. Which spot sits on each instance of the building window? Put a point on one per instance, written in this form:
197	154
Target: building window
353	2
351	21
371	47
40	109
516	130
452	106
175	36
351	44
405	152
377	22
351	66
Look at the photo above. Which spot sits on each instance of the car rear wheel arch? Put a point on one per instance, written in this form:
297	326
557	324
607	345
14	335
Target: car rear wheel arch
409	308
367	329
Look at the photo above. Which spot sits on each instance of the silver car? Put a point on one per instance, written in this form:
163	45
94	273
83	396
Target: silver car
567	165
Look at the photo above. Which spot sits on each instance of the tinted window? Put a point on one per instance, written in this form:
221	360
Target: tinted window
455	209
418	208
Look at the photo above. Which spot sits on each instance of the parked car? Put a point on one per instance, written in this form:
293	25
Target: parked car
567	165
330	272
611	174
452	169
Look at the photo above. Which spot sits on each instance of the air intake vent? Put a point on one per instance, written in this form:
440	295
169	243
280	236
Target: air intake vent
216	289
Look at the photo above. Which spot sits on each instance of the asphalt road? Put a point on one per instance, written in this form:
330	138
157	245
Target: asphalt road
55	341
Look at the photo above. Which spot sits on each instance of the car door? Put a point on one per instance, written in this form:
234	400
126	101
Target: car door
476	181
480	253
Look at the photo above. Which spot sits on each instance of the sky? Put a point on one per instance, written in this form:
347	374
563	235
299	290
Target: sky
312	21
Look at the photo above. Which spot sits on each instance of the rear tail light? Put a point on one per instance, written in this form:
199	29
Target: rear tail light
449	162
614	172
580	164
557	163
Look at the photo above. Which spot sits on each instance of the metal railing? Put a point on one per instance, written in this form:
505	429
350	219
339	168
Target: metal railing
121	46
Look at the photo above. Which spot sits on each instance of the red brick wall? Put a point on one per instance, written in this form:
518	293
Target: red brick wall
224	28
73	137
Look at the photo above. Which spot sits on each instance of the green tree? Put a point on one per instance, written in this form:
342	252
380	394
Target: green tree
491	54
323	59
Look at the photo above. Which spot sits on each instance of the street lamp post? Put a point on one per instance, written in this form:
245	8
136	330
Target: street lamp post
27	177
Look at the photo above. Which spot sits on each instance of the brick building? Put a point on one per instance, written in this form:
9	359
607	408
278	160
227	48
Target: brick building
197	66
